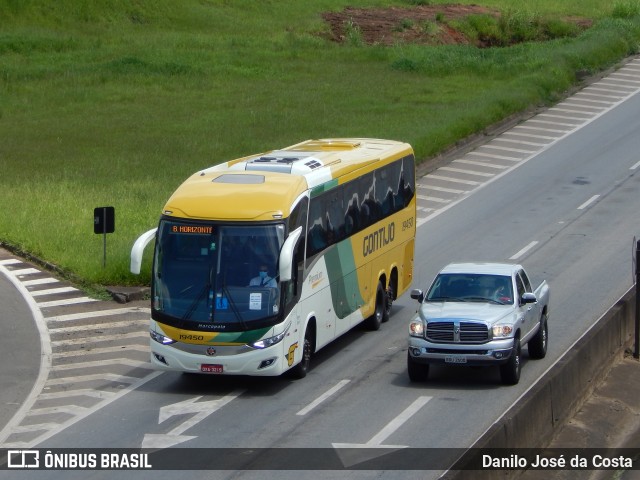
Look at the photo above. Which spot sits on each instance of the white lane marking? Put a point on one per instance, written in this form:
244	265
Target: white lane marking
40	281
455	180
69	301
635	166
466	171
389	428
45	358
442	189
577	121
542	129
397	422
24	271
97	313
520	142
432	199
98	326
555	123
10	261
524	250
492	155
81	392
68	409
588	202
493	146
202	411
531	135
323	397
110	377
97	351
580	101
88	340
479	164
102	363
52	291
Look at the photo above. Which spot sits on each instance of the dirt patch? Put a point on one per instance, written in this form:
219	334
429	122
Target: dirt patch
421	24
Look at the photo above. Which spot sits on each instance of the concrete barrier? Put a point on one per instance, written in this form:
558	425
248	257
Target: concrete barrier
556	397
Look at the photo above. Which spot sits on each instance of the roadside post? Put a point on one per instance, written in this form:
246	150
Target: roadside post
104	221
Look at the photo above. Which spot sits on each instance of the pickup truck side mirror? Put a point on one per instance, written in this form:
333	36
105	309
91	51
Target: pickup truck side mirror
417	294
528	298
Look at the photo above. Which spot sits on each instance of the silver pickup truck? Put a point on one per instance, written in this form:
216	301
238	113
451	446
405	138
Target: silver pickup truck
478	314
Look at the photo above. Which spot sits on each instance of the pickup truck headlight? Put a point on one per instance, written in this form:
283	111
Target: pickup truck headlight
502	330
416	328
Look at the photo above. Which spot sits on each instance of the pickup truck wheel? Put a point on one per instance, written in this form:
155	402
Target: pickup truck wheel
380	313
538	344
417	371
510	371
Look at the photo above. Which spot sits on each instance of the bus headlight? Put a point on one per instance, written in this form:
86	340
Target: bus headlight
416	328
158	337
502	331
269	342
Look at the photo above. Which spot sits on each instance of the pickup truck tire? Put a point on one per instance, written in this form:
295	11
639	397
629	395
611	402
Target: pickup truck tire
510	371
538	344
417	371
380	313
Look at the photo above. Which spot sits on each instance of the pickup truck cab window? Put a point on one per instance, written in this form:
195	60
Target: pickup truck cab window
525	280
520	286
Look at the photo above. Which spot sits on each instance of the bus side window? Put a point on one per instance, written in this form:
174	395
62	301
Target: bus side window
317	235
409	175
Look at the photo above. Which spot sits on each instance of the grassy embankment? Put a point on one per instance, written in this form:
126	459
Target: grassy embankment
116	103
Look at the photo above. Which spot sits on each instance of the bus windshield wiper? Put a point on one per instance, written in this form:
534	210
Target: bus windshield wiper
196	301
234	308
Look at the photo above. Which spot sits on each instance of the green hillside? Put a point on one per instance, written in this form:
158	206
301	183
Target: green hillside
114	102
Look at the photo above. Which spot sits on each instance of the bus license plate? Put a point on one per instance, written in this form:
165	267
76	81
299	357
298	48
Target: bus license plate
211	368
455	359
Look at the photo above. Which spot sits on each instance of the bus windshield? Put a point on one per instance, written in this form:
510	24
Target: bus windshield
211	276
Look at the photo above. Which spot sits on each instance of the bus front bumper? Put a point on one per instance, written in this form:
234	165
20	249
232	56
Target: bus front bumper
257	362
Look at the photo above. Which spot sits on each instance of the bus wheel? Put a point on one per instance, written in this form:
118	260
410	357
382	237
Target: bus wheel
301	369
389	294
380	314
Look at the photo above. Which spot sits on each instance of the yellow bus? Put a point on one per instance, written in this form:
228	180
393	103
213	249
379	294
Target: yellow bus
260	262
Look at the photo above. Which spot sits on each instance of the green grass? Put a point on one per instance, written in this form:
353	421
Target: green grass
113	102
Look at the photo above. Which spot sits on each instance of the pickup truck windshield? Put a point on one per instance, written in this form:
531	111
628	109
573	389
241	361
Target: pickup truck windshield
461	287
216	277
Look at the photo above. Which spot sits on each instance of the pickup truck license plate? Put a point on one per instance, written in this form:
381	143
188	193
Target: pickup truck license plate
455	359
211	368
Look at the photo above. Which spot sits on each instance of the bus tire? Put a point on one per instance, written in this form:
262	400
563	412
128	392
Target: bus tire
302	368
390	293
380	312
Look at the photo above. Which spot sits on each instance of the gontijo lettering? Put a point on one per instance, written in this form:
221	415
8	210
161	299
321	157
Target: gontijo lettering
378	239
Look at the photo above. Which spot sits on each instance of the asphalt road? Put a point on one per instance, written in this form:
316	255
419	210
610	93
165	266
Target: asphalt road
20	350
568	213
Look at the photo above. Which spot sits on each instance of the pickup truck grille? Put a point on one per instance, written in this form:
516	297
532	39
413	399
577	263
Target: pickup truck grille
457	332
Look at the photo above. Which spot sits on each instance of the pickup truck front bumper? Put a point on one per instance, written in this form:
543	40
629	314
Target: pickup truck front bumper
494	352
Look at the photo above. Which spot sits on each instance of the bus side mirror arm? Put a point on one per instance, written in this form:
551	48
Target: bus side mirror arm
138	249
286	255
